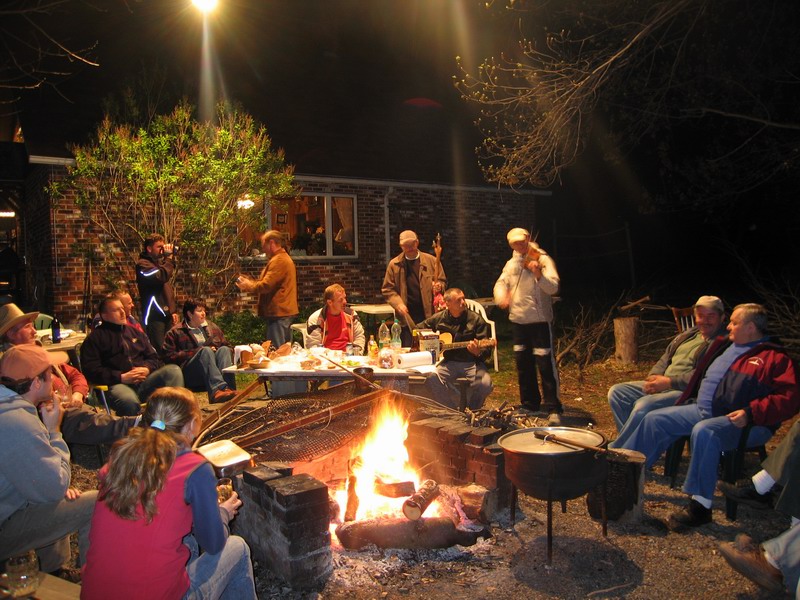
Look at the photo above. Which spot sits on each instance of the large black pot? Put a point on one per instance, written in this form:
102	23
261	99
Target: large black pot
552	471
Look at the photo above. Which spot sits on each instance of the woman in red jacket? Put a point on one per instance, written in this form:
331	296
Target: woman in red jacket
157	503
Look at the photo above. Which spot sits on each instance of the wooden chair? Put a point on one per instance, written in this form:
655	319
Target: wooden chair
684	318
478	308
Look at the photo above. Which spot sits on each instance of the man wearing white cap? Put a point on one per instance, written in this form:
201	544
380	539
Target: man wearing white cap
526	287
632	400
38	509
408	283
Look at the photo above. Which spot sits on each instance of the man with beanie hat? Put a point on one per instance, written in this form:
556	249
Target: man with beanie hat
38	509
526	288
632	400
408	283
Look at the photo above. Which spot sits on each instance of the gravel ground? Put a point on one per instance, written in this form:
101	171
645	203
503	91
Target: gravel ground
641	560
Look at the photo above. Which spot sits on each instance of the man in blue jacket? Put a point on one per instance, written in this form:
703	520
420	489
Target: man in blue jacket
743	380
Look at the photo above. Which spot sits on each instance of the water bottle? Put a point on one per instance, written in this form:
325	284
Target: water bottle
396	329
55	330
384	339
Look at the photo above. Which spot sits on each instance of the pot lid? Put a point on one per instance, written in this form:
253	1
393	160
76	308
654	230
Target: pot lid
525	441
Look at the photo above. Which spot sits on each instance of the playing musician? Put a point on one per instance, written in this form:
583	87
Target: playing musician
408	283
526	287
463	325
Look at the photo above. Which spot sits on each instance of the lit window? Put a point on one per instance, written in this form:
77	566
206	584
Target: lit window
322	225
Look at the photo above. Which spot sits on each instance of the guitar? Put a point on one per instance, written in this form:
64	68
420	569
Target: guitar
446	343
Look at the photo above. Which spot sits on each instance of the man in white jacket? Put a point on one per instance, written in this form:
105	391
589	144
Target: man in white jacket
526	287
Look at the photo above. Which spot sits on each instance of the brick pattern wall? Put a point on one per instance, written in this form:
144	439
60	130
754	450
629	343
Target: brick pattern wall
452	453
285	520
473	224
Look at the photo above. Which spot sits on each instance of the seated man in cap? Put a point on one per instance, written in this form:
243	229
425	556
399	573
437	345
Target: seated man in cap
632	400
81	424
526	288
744	380
463	325
200	349
119	356
38	509
408	283
335	325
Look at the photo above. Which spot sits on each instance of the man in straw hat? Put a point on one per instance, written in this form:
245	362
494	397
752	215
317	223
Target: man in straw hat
408	283
38	508
82	424
526	288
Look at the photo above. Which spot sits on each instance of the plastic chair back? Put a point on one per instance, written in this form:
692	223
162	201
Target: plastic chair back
478	308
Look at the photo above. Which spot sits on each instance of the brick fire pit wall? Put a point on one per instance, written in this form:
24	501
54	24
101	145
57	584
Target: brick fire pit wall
452	453
285	521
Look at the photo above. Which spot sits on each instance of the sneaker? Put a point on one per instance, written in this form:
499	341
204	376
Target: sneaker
745	493
753	564
223	395
554	420
693	515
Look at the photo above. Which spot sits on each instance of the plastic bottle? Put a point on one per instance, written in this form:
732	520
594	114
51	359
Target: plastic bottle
55	330
396	343
384	339
372	350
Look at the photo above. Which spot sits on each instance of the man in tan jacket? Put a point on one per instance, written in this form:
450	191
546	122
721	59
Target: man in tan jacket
408	283
276	288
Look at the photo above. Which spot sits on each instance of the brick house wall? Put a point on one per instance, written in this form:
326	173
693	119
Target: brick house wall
472	221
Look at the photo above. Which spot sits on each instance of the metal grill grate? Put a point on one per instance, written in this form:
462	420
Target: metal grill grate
300	444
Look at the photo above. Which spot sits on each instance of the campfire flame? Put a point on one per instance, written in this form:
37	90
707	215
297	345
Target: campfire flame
383	456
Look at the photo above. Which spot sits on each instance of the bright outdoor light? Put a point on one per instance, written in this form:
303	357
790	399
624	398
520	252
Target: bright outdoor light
245	202
205	6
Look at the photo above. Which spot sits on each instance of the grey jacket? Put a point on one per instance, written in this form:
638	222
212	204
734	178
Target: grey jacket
530	301
34	463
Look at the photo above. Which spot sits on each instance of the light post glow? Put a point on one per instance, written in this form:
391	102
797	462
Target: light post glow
205	6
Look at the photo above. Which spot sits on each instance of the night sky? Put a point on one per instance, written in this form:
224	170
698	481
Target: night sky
364	88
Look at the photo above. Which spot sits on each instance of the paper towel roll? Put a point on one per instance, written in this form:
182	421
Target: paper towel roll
414	359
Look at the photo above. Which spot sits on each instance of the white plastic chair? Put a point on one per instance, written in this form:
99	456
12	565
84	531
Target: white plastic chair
478	308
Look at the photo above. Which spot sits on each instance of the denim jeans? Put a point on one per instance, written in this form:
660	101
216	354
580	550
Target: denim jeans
709	437
46	529
204	370
227	575
443	388
125	399
629	404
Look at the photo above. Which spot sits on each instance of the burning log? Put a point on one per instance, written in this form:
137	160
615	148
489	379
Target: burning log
436	532
393	489
420	500
352	497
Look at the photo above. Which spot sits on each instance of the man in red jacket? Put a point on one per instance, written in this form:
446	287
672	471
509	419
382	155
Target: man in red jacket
744	380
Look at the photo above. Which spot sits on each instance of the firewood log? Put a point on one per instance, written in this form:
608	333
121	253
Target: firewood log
437	532
416	504
393	489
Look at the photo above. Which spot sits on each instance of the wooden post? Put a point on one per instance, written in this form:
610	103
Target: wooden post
626	339
624	493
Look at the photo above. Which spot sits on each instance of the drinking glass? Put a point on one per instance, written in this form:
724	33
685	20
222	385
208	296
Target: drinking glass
224	489
22	575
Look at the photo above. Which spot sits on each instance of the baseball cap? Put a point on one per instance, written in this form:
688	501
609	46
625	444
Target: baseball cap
26	361
518	234
407	236
711	302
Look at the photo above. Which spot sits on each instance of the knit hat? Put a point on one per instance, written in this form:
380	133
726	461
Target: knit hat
26	361
11	315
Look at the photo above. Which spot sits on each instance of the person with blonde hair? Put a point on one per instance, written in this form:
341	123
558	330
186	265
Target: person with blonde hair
157	503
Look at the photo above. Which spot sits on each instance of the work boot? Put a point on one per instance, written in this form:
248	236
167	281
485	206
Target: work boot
554	420
753	564
745	493
693	515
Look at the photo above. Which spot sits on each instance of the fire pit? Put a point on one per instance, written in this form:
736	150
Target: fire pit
554	463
